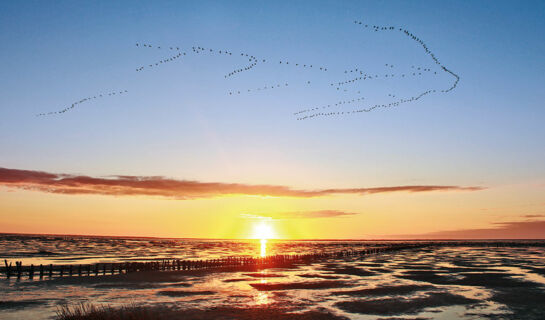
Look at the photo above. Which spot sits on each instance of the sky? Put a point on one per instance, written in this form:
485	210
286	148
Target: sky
176	155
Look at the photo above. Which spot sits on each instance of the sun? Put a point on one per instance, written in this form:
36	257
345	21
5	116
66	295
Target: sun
263	231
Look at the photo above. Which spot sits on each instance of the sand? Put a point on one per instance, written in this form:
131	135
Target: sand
385	290
300	285
219	313
398	306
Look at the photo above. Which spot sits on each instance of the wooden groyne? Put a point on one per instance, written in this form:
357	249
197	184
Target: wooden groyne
99	269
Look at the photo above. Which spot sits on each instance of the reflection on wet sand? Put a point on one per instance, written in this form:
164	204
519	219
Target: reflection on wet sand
263	252
446	283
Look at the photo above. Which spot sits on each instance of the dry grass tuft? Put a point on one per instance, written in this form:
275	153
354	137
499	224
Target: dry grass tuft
86	311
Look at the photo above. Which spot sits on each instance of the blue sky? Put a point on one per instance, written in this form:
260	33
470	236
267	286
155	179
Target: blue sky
178	120
56	53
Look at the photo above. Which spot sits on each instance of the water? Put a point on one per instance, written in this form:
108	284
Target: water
37	249
445	283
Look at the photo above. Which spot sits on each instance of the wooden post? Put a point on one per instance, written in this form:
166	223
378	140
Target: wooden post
79	270
19	265
61	270
8	268
41	271
50	271
31	272
71	270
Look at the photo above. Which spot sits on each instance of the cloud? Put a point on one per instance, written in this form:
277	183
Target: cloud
255	216
298	215
312	214
501	230
532	216
179	189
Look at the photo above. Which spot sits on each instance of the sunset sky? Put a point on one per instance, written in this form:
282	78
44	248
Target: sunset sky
177	156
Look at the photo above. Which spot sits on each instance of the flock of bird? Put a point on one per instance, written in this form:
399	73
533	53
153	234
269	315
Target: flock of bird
418	40
329	105
389	105
248	67
364	76
166	60
311	112
274	86
253	61
75	104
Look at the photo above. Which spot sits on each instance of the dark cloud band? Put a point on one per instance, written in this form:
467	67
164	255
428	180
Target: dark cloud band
179	189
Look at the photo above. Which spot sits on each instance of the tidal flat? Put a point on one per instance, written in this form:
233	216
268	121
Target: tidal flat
443	283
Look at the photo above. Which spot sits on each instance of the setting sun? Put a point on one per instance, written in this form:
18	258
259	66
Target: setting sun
263	231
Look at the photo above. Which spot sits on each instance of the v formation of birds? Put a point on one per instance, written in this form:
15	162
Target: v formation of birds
354	75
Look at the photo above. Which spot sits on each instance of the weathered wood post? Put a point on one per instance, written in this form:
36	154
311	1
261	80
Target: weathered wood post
19	265
31	271
41	271
8	268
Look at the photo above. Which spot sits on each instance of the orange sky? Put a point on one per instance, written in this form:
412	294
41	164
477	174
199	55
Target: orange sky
328	214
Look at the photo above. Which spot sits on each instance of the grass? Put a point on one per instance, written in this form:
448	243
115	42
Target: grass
86	311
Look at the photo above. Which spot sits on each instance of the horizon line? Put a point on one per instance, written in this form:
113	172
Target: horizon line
278	239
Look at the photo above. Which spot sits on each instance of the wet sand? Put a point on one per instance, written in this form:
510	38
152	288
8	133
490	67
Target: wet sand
444	283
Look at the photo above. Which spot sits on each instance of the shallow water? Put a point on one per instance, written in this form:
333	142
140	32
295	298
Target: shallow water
445	283
81	249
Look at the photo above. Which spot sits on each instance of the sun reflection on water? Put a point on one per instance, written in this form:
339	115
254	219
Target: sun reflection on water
262	298
263	247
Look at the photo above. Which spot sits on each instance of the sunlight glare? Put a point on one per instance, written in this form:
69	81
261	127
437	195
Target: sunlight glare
263	231
263	247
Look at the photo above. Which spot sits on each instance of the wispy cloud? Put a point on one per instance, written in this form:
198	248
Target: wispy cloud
501	230
313	214
532	216
298	215
180	189
255	216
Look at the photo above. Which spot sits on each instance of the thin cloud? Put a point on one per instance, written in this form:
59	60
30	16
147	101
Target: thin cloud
255	217
298	215
313	214
501	230
179	189
532	216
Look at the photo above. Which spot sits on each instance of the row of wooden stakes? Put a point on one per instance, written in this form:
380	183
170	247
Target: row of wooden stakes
50	271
